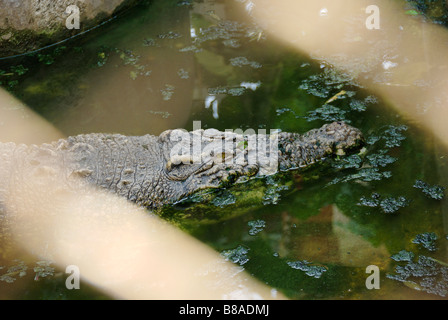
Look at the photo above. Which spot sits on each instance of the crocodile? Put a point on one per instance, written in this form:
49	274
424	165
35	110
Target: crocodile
153	171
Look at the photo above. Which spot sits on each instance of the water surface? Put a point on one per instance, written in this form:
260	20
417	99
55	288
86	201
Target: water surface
309	234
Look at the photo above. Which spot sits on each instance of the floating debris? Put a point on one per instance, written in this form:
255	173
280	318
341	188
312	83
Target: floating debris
392	136
224	199
133	75
45	58
273	191
169	35
19	269
322	85
235	91
311	270
129	58
388	64
102	59
183	74
256	226
43	270
336	96
361	105
164	114
284	110
191	48
427	274
238	91
435	192
184	3
19	69
217	90
212	14
327	113
403	255
167	92
412	12
149	42
380	159
237	255
427	240
243	61
357	105
363	174
250	85
387	205
352	161
391	205
232	43
323	12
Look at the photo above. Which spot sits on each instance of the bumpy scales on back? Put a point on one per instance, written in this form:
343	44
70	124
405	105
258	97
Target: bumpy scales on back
152	171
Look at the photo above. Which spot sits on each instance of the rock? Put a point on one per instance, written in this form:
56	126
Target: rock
27	25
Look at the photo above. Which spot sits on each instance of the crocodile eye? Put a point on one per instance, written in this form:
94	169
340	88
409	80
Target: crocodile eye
176	170
177	161
182	170
169	165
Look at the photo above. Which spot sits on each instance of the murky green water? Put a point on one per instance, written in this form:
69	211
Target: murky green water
311	235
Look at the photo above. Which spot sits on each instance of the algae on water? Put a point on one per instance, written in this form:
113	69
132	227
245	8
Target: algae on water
310	269
435	192
427	240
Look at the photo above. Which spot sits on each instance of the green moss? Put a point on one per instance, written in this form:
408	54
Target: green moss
24	41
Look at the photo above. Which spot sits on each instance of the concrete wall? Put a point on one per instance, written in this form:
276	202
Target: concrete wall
28	24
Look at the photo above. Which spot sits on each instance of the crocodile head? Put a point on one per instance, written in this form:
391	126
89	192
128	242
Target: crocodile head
204	159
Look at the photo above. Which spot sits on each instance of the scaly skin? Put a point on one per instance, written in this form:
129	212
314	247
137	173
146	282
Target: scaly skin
152	171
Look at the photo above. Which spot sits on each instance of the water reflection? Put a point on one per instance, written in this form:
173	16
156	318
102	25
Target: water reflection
336	239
